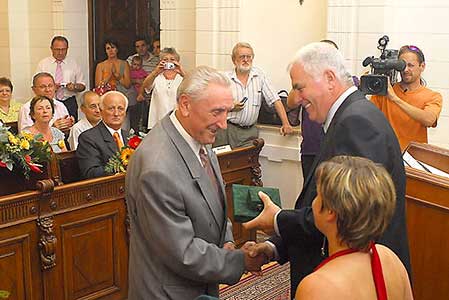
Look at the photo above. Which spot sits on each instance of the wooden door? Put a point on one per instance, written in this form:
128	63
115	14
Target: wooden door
122	20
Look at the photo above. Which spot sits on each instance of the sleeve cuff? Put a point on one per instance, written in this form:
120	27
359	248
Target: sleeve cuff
275	224
275	251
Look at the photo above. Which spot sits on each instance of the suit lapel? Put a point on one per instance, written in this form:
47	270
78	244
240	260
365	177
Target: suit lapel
107	138
196	170
327	140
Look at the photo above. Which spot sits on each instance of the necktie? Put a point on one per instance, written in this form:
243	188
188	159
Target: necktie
210	172
118	140
58	80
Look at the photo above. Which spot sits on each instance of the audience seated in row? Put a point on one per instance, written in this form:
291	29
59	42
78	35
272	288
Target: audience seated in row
98	144
9	109
90	106
42	109
44	85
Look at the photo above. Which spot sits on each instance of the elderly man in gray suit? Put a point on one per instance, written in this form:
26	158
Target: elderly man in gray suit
181	243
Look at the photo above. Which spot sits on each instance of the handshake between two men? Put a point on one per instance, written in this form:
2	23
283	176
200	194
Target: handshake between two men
258	254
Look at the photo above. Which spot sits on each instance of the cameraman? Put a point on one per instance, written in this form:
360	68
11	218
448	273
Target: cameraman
409	106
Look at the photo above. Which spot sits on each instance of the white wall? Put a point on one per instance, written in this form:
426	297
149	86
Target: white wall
357	25
31	26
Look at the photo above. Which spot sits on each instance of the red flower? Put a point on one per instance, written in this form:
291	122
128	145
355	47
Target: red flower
2	164
134	142
33	167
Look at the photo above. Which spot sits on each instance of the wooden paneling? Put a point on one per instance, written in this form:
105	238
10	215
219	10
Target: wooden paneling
70	241
427	204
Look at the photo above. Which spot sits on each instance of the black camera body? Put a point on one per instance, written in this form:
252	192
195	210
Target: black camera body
386	66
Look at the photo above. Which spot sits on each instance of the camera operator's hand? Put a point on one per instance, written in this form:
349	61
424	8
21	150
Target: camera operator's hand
391	94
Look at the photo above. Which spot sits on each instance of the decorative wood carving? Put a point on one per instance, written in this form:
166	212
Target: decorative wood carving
47	242
255	169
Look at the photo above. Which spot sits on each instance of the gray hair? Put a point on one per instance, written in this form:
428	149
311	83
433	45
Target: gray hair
170	50
241	45
319	57
84	95
198	80
103	97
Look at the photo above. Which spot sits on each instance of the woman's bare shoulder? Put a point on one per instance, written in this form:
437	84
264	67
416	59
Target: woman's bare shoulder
320	285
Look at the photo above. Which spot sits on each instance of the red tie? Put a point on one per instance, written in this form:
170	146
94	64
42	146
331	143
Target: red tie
118	141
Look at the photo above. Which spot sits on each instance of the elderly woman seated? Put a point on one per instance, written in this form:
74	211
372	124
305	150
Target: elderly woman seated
9	109
354	205
41	112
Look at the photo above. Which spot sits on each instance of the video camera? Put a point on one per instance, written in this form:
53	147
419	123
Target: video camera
386	66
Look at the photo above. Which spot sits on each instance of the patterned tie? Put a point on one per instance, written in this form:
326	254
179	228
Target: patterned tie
58	80
210	172
118	140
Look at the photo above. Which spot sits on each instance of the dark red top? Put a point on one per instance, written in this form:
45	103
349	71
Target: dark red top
376	268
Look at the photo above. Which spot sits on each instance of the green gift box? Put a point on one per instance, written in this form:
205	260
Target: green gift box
247	204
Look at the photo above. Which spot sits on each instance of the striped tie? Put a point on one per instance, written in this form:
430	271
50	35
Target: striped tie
210	172
59	79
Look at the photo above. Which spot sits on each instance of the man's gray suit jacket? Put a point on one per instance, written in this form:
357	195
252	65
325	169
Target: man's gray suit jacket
178	226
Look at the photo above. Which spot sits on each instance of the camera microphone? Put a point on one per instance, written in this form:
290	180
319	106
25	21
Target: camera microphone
405	90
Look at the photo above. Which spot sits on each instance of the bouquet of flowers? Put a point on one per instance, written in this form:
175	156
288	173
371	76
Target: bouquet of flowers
119	161
24	152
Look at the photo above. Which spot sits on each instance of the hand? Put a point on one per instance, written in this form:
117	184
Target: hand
70	86
391	95
140	98
229	246
265	220
238	106
64	124
286	129
254	262
179	69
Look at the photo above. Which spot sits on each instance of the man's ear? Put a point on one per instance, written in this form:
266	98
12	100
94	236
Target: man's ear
184	105
330	78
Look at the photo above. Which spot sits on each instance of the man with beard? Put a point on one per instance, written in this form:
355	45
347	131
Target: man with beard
409	106
249	86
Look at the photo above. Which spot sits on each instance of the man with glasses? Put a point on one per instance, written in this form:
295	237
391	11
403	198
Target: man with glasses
67	74
90	106
410	106
249	87
44	85
98	144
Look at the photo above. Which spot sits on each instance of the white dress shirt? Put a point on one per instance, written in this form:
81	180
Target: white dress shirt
71	72
79	127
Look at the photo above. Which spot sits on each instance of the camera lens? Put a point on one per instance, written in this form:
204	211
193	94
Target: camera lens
375	85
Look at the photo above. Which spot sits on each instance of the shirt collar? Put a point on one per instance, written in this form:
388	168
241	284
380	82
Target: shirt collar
112	131
194	145
336	106
251	74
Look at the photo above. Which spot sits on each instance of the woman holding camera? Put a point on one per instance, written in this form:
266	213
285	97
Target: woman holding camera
162	83
355	203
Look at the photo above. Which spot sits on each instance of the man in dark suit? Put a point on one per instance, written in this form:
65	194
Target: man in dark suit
353	126
98	144
181	243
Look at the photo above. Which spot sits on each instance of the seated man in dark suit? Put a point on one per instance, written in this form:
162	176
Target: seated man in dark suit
98	144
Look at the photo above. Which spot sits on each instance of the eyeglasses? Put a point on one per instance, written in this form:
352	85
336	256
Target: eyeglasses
248	57
43	86
59	49
413	49
94	106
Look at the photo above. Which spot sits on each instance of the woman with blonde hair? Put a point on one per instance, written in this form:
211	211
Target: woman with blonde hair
354	205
